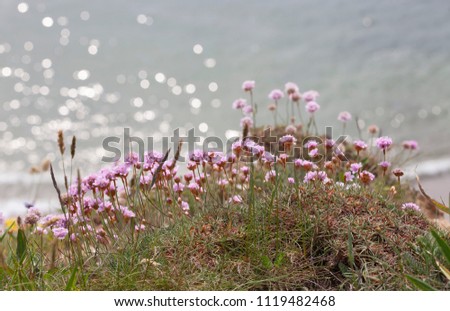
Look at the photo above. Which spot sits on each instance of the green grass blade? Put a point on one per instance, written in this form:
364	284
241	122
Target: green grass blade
420	284
72	280
6	231
444	247
21	245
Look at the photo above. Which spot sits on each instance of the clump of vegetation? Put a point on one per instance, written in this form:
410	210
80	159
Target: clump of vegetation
282	210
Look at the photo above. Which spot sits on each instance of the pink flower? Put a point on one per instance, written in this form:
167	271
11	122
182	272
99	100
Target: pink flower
276	94
359	145
310	176
60	233
384	165
270	176
139	228
246	121
329	143
384	142
348	177
194	188
290	129
291	180
355	167
410	144
411	205
236	199
311	95
307	165
239	103
298	163
127	214
295	97
344	116
288	140
290	88
184	206
313	153
312	106
366	177
247	110
248	85
311	144
178	188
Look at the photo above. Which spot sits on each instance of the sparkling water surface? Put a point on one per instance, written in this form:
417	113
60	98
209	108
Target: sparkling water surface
95	67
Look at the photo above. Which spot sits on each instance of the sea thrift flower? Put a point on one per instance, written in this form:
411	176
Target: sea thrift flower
359	145
311	144
410	144
373	129
127	214
295	97
344	116
60	233
270	176
298	163
397	172
355	167
411	205
384	142
313	153
307	165
139	228
236	199
178	188
185	207
290	88
288	141
384	165
194	188
246	122
348	177
366	177
312	106
272	107
247	110
276	95
239	103
291	129
311	95
310	176
329	143
248	85
291	180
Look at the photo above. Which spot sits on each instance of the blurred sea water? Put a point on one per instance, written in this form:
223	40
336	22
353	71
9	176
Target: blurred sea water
95	67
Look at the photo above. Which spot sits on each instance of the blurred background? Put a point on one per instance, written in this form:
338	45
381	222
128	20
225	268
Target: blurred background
92	68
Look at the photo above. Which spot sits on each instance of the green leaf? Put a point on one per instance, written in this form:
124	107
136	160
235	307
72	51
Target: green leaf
351	257
441	206
266	262
21	245
279	260
444	247
420	284
444	270
72	280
